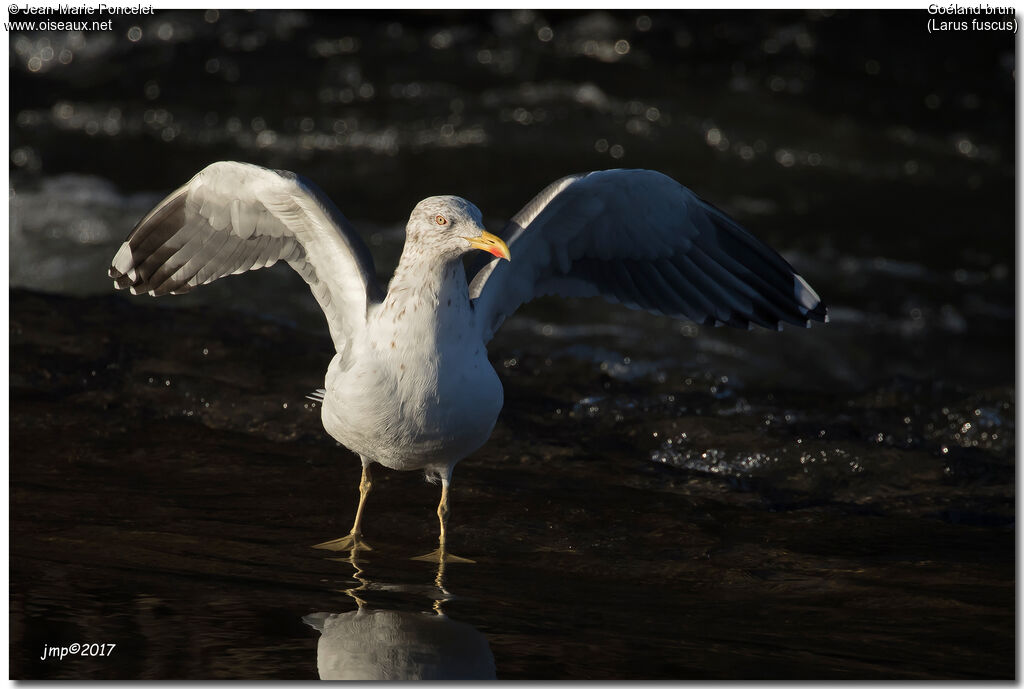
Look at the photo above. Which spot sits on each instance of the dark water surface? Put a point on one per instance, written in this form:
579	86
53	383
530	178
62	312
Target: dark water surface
659	499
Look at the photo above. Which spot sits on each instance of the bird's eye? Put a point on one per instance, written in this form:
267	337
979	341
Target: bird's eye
441	220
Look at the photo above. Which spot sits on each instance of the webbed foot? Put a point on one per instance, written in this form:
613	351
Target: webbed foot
441	555
352	542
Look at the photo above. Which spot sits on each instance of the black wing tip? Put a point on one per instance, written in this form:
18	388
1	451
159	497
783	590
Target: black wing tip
128	276
810	303
819	313
802	317
125	272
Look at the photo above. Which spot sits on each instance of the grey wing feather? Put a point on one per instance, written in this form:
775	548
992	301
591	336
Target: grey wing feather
640	238
234	217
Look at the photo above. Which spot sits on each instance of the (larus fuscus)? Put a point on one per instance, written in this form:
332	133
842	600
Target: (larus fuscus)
411	386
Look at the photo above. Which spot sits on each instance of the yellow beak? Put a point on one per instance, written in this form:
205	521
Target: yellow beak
490	243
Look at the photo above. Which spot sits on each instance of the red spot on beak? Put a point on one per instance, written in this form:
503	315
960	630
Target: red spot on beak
490	243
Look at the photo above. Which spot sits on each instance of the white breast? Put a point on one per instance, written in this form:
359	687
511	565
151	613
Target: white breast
421	393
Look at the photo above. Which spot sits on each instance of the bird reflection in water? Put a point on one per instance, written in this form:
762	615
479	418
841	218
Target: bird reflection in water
394	645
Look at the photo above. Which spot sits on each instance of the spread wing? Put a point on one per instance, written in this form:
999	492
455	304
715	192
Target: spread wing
640	238
233	217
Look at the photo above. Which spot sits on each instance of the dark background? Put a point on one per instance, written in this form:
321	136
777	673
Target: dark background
659	499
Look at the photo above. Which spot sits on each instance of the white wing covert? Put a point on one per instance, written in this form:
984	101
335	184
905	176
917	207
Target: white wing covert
234	217
639	238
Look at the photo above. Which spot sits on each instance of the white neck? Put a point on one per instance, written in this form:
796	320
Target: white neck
421	274
427	295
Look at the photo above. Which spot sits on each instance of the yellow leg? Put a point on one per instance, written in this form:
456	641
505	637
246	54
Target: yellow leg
442	516
442	554
354	541
365	485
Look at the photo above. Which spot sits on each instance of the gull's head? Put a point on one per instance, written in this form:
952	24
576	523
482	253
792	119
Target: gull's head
452	226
